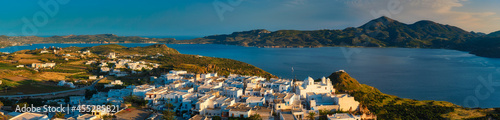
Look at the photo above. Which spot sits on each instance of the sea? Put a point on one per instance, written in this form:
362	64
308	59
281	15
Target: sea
414	73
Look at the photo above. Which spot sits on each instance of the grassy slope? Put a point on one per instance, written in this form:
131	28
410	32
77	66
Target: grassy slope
392	107
197	64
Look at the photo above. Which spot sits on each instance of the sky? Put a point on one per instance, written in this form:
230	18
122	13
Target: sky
208	17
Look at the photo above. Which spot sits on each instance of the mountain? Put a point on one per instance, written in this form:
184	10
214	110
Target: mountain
494	34
6	41
147	50
380	32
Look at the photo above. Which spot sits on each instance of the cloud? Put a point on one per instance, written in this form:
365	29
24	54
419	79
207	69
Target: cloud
442	11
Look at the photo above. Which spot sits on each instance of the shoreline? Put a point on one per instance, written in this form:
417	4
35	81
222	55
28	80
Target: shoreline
279	47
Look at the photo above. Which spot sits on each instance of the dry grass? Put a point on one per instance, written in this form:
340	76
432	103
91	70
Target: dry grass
16	78
28	61
24	56
107	79
11	73
53	76
81	62
461	113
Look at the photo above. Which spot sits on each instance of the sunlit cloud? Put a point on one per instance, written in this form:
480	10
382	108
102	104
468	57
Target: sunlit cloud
441	11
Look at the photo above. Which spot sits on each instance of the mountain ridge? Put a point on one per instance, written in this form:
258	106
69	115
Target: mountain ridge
379	32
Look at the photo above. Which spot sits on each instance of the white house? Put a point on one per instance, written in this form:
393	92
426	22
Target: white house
30	116
239	110
323	101
113	83
105	69
308	85
142	89
111	55
75	100
63	83
119	93
154	95
232	92
343	116
44	51
346	102
255	101
43	65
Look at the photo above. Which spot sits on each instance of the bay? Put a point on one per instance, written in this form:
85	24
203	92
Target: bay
422	74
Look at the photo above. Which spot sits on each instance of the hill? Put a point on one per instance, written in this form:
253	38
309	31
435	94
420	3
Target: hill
392	107
494	34
173	60
122	50
6	41
380	32
148	50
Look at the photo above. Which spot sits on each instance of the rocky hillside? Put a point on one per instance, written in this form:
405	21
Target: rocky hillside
392	107
380	32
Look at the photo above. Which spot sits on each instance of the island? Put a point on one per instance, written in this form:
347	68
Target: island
117	82
380	32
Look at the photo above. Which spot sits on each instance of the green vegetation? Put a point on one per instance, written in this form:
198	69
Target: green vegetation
61	70
28	87
172	60
122	50
195	64
216	118
135	100
7	66
99	38
169	114
79	76
59	115
310	115
255	117
392	107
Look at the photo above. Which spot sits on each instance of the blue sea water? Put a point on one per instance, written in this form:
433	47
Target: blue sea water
422	74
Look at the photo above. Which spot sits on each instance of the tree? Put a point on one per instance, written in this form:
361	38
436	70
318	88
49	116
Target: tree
59	115
169	115
216	118
255	117
108	117
169	105
21	105
311	115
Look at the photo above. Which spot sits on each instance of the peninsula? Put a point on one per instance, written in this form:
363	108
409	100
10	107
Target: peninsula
380	32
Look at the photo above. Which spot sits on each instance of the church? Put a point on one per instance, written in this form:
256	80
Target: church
308	85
